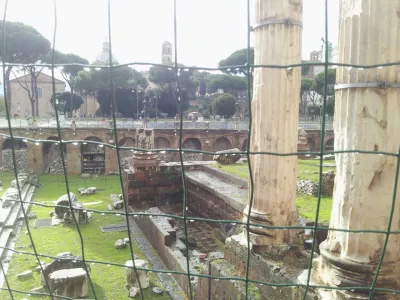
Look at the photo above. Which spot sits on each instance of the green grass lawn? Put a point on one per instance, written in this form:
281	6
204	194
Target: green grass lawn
307	170
6	177
109	281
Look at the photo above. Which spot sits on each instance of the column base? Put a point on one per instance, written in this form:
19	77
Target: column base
263	239
333	270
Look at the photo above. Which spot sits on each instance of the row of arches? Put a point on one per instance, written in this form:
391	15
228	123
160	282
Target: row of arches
220	144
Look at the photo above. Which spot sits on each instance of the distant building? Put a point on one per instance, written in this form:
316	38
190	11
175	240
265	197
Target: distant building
104	56
20	103
89	107
166	53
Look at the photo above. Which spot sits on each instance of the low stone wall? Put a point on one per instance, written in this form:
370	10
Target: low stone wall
287	269
21	158
207	204
56	167
163	240
309	187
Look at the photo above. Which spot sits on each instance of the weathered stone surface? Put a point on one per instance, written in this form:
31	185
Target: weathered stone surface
65	261
25	274
56	167
131	279
366	119
227	158
62	204
120	244
134	292
69	282
39	289
21	159
275	176
157	291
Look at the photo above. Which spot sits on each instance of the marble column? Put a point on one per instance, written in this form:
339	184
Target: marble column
275	117
367	117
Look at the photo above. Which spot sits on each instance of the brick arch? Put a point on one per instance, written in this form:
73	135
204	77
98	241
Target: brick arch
18	144
244	145
51	151
161	143
92	156
126	142
222	143
329	144
192	143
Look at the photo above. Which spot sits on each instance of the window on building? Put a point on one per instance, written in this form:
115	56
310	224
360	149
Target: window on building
39	92
169	59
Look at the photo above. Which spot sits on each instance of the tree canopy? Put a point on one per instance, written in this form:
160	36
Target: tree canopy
228	83
319	80
66	97
97	82
237	58
25	45
224	105
166	76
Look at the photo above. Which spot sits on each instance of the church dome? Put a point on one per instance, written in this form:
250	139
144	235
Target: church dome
104	56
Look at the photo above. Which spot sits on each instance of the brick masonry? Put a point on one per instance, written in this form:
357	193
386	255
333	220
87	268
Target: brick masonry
207	139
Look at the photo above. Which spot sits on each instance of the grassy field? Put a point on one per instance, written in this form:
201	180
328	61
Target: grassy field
307	170
109	281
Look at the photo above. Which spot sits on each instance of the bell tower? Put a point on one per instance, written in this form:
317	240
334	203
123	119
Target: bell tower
166	53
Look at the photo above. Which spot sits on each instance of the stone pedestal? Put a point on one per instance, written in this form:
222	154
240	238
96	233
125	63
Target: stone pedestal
275	114
367	117
71	283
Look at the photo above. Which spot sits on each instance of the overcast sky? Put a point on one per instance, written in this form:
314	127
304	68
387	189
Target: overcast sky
208	30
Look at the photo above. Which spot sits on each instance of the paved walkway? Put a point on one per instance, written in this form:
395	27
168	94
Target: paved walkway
160	124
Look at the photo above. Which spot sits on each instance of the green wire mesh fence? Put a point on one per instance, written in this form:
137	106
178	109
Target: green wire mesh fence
184	217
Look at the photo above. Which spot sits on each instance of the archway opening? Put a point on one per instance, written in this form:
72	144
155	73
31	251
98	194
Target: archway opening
191	143
161	143
329	145
18	144
222	144
92	156
244	145
311	144
126	142
51	151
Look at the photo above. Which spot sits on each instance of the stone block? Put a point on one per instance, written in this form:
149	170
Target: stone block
25	275
131	279
71	283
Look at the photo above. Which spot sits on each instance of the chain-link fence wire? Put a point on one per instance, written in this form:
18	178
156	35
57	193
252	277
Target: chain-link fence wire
185	218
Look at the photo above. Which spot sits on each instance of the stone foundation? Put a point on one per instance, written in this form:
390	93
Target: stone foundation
286	269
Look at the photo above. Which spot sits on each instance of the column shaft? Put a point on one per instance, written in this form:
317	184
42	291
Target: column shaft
275	117
365	119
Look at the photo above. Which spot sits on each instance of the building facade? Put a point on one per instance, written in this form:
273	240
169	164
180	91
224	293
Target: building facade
20	102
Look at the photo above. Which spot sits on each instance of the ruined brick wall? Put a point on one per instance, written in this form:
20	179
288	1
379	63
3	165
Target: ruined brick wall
154	187
206	205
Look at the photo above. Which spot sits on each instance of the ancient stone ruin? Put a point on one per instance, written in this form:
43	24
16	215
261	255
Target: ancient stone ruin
227	157
66	276
62	209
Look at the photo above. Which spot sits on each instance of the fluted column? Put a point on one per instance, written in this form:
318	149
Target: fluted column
366	118
275	117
